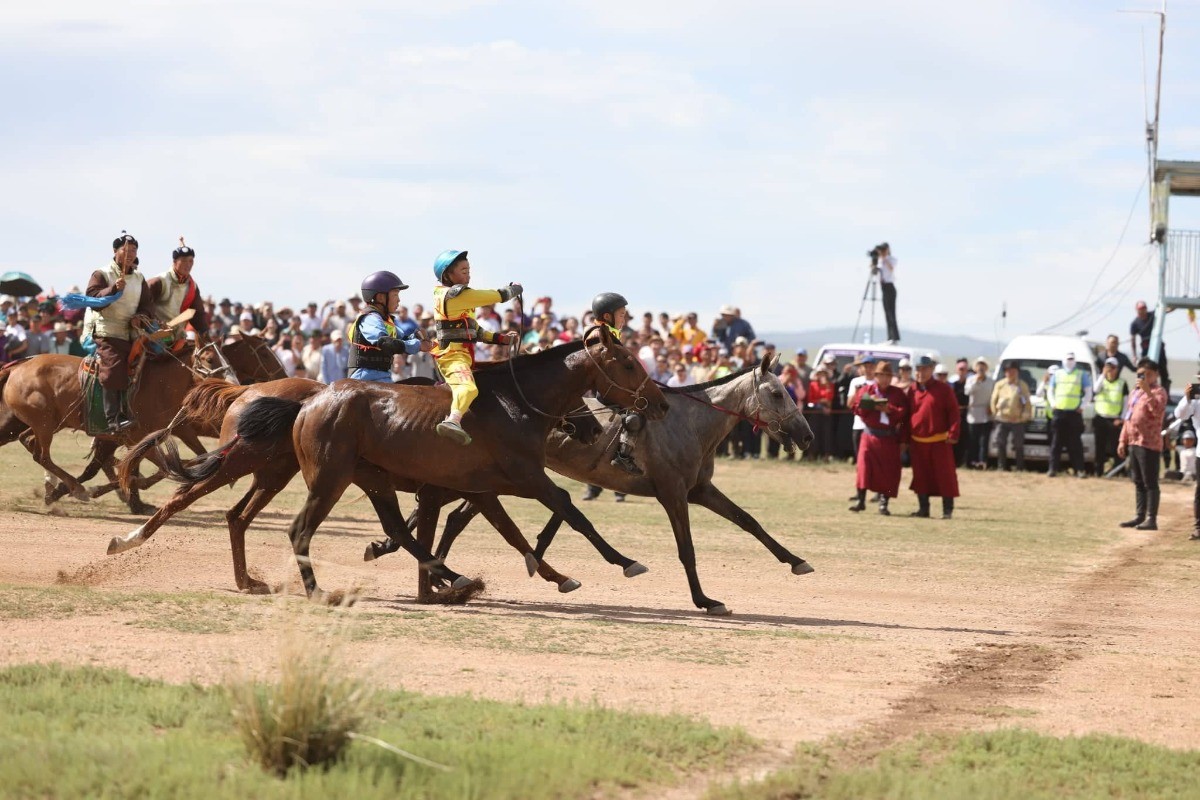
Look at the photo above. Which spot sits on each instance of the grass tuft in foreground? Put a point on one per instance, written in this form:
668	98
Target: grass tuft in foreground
308	716
84	733
997	765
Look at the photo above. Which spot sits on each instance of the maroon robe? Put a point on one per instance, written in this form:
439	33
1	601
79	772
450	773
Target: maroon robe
879	447
934	414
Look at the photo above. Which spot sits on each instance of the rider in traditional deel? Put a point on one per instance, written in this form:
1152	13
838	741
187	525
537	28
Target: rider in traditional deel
454	305
174	292
610	309
115	326
374	335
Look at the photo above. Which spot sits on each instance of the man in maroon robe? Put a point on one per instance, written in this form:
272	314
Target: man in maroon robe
932	431
884	410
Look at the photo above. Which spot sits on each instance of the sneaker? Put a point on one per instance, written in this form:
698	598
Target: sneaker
452	430
626	463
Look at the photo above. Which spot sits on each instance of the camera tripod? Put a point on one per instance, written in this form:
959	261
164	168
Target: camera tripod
870	294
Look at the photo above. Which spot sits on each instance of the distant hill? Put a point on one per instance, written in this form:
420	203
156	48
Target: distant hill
948	345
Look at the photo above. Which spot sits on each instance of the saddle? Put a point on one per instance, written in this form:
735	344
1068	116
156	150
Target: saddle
92	409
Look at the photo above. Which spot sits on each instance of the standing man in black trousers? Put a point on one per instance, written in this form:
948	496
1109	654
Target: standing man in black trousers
887	282
1189	408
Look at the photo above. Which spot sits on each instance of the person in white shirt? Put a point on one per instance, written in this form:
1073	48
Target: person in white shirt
681	377
336	319
60	340
865	377
335	358
887	283
978	389
311	356
1189	408
310	319
286	356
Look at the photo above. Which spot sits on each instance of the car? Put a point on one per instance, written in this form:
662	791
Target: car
1034	355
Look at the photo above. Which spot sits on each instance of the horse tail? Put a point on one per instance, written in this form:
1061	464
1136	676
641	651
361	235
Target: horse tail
268	418
196	469
206	404
127	470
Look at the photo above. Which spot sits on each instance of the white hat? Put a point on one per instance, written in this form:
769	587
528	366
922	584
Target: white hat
904	362
254	332
61	327
337	335
246	317
728	309
741	340
941	369
980	360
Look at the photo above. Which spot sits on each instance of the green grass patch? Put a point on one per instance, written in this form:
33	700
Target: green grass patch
997	765
85	733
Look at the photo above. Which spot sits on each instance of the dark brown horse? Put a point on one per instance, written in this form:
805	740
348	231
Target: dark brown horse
392	427
273	464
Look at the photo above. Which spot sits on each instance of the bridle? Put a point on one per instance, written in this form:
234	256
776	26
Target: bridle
773	426
225	367
638	400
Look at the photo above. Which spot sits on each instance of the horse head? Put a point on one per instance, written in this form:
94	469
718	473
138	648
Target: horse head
620	377
253	360
770	403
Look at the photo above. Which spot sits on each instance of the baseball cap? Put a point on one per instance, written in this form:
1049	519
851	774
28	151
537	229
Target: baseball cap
337	334
941	369
1111	362
803	351
728	309
925	361
905	364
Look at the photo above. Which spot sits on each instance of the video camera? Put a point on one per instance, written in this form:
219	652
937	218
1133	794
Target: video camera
875	252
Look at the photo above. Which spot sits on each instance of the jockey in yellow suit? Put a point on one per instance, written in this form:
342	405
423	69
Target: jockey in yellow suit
454	305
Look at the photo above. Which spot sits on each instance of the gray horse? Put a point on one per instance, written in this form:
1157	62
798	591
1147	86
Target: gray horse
677	455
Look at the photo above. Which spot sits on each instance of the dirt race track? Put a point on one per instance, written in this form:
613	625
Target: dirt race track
1030	608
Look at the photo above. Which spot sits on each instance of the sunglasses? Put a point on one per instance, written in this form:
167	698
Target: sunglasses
1141	374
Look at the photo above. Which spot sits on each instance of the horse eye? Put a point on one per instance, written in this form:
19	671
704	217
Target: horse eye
776	393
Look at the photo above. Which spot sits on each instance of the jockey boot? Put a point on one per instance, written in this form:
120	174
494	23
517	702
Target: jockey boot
1140	517
947	507
113	411
453	431
592	492
624	460
1195	521
883	505
860	503
1151	523
922	506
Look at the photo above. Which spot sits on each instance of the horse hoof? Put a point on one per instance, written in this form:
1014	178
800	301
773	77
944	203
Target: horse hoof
635	569
256	587
803	568
719	610
120	544
81	494
461	582
370	554
569	585
531	564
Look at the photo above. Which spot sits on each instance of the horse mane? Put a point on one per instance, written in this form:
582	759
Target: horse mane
697	387
531	359
208	400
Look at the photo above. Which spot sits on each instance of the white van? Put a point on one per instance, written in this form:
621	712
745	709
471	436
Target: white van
849	352
1034	355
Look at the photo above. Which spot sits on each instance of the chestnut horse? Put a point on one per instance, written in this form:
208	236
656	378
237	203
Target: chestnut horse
273	464
392	427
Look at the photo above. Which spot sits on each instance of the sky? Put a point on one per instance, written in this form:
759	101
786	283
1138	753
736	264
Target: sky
686	154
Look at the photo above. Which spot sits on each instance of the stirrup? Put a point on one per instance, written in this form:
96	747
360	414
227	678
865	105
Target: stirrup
626	463
452	430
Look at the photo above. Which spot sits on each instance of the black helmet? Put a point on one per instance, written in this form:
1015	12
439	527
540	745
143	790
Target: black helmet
607	303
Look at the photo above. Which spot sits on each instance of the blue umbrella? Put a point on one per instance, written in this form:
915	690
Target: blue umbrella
19	284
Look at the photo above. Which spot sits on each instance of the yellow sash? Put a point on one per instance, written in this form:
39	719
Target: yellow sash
937	437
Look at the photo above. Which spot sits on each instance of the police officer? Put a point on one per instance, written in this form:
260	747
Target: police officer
374	336
1069	390
1111	392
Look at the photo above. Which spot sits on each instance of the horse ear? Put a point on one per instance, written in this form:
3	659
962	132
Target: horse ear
765	364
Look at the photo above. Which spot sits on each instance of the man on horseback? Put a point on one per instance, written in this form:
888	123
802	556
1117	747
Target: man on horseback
174	292
454	305
115	325
610	309
374	335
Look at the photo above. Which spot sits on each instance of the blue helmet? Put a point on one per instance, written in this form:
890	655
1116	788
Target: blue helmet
445	260
380	283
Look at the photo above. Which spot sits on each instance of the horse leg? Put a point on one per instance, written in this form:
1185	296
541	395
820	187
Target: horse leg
39	447
100	458
429	508
134	500
389	545
456	522
559	501
546	537
493	512
266	484
674	500
715	501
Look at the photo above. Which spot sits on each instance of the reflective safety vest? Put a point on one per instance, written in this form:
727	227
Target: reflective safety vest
460	329
367	355
1068	390
1110	398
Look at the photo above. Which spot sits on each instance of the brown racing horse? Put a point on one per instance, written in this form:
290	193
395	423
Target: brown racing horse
42	395
273	464
245	360
392	427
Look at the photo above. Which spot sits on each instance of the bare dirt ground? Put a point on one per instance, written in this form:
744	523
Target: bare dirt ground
1030	608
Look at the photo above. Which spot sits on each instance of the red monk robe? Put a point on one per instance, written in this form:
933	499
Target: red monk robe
879	447
933	428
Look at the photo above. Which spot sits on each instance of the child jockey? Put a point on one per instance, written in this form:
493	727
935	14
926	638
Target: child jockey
609	308
454	305
374	338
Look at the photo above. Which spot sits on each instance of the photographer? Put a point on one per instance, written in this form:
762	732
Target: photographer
1189	408
884	264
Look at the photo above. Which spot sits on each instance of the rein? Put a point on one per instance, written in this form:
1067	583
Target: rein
774	426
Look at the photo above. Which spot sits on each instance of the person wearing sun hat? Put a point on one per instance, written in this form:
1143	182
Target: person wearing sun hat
934	428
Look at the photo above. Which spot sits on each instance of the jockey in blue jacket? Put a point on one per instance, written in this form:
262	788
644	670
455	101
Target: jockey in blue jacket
374	336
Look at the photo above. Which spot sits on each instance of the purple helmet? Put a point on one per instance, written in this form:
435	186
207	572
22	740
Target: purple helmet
380	282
